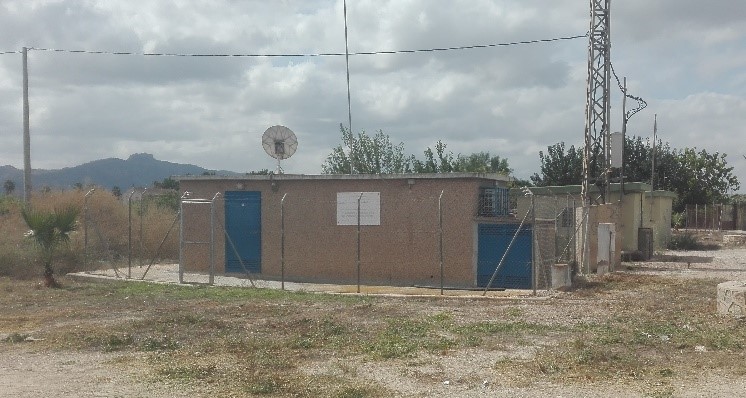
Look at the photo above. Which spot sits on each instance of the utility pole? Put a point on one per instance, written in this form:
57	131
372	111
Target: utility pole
597	107
596	165
26	134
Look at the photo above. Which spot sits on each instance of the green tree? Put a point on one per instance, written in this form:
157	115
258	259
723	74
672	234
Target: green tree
435	162
440	161
700	177
50	230
9	187
363	154
116	191
259	172
482	162
167	183
697	177
560	166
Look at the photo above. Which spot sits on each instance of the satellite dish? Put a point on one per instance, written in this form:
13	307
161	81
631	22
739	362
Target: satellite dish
279	142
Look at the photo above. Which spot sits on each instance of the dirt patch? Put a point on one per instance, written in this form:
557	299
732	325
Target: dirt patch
650	330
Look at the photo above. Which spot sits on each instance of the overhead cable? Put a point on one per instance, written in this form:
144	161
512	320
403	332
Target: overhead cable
641	103
297	55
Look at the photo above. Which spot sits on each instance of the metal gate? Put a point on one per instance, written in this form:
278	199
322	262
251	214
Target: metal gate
493	241
243	225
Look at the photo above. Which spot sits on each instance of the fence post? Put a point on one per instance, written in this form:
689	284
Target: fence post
129	234
181	235
440	237
282	241
358	241
85	228
141	249
534	246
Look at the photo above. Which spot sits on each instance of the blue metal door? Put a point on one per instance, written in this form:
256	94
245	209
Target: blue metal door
243	224
493	240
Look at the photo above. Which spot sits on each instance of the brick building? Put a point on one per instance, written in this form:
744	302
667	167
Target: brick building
312	234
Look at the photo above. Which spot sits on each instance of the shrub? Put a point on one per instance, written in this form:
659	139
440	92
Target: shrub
677	220
683	242
106	226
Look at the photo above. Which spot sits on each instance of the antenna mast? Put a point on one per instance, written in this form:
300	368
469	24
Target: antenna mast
597	113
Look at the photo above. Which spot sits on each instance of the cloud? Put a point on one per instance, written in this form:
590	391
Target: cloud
684	57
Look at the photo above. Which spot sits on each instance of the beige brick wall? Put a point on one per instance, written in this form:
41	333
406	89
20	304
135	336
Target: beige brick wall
403	250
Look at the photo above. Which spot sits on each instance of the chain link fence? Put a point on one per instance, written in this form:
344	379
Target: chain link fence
715	217
520	243
135	230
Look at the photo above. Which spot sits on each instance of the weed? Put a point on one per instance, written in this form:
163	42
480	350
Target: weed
16	338
190	372
683	242
514	312
354	392
164	343
263	386
116	342
390	346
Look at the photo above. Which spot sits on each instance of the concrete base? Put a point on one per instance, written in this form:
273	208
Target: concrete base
734	240
731	299
561	278
602	268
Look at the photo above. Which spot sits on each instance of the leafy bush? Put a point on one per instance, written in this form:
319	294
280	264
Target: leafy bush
683	242
678	220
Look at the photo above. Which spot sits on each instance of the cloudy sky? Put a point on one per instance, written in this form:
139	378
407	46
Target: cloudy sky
687	58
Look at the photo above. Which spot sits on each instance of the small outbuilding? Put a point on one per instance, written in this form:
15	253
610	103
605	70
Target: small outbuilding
397	229
638	218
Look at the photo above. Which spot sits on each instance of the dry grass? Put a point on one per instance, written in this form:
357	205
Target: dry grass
107	227
641	331
645	332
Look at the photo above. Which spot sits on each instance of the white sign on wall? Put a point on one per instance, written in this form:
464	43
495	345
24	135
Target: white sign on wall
370	208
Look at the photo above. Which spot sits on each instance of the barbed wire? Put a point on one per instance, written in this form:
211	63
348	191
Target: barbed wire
302	55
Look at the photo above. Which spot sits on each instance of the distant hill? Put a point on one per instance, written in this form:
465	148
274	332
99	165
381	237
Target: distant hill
140	170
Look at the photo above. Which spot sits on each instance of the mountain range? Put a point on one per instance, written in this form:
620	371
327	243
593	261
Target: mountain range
139	170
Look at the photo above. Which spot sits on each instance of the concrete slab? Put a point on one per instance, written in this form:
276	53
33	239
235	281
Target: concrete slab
169	274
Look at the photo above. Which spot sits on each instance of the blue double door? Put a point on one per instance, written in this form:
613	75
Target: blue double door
493	241
243	226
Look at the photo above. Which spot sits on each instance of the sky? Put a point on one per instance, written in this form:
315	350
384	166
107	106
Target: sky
686	58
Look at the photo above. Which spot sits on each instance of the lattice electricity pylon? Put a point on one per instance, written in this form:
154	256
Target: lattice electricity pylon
597	110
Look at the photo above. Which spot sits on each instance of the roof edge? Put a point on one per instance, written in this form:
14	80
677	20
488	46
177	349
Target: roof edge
288	177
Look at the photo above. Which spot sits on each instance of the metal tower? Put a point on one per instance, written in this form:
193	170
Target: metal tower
597	113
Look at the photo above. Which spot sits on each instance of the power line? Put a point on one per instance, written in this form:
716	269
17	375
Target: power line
641	103
299	55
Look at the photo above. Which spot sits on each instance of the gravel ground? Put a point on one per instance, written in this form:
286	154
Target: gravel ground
727	264
467	373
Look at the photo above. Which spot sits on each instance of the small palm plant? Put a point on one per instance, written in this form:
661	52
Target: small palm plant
49	230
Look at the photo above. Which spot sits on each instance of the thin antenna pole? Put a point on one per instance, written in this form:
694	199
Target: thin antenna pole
347	61
652	169
624	139
26	134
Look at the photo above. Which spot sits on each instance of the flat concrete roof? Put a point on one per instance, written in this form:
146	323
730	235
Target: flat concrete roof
291	177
